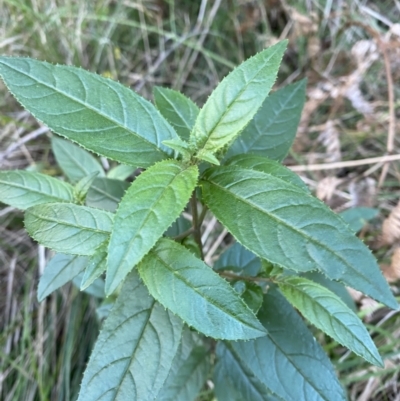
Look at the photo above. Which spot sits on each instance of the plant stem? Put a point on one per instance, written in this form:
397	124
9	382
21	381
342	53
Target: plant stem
244	278
195	222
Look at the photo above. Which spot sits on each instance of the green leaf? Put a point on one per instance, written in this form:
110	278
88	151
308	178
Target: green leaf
106	193
234	381
179	226
23	189
238	258
96	289
151	204
236	100
251	293
68	228
337	288
189	371
272	130
100	114
121	172
60	270
179	110
267	166
74	161
358	217
330	314
180	146
285	225
288	360
193	291
134	352
82	187
96	266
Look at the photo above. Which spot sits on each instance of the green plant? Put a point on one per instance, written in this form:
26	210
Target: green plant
224	157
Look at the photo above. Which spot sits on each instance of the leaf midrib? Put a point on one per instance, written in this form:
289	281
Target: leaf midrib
78	101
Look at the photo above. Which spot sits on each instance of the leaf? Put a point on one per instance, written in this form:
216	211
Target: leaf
180	146
272	130
60	270
236	100
121	172
237	257
283	224
267	166
251	293
68	228
176	108
192	290
358	217
179	226
134	352
75	162
151	204
82	187
23	189
96	266
288	360
106	193
330	314
234	381
96	289
100	114
189	371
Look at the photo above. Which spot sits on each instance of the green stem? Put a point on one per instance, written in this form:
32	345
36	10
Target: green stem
195	222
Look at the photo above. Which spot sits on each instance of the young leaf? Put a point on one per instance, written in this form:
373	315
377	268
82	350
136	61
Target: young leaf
134	352
96	266
74	161
189	371
151	204
232	376
82	187
272	130
267	166
285	225
288	360
106	193
236	100
60	270
121	172
237	257
100	114
193	291
68	228
330	314
179	110
23	189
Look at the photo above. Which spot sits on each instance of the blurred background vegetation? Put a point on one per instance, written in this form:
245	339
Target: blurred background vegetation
350	52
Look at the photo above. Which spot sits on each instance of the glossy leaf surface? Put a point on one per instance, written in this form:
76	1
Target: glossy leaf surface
288	227
100	114
189	371
68	228
60	270
330	314
134	352
236	100
272	130
23	189
288	360
74	161
151	204
192	290
176	108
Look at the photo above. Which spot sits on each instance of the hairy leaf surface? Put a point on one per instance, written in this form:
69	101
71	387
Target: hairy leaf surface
75	162
288	360
267	166
192	290
100	114
330	314
106	193
151	204
272	130
285	225
189	371
60	270
23	189
134	352
179	110
68	228
236	100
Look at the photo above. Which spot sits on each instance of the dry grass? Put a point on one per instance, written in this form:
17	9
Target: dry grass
346	149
